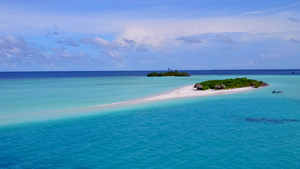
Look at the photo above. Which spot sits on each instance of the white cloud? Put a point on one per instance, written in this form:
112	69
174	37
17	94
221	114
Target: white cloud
11	46
61	53
114	54
101	43
292	40
292	19
271	56
264	36
20	54
145	36
97	42
225	39
190	39
277	9
146	30
69	42
119	36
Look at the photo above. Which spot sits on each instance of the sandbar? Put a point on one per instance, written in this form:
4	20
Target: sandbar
182	92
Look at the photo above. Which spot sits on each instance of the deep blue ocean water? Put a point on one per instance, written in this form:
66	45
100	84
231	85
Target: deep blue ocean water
64	74
47	121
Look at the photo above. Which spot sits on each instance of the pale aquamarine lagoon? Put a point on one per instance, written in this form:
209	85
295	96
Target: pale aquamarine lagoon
53	123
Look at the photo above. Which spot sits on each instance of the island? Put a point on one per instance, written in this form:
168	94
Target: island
232	86
182	92
170	73
229	84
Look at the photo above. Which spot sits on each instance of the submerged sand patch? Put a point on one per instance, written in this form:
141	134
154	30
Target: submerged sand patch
183	92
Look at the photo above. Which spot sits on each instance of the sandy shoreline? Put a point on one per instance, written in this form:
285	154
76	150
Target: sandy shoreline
183	92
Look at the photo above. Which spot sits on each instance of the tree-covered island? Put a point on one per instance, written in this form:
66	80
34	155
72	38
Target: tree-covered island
169	73
229	84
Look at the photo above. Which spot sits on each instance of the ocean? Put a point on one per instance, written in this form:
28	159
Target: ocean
53	120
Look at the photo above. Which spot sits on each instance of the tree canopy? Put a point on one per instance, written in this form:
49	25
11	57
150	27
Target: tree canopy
170	73
229	84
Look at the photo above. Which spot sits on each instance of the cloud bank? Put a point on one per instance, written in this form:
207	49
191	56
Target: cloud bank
136	38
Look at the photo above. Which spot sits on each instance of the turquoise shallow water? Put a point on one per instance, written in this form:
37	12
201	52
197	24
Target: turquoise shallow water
255	129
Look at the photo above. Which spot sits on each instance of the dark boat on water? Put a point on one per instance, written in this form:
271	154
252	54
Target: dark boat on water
276	91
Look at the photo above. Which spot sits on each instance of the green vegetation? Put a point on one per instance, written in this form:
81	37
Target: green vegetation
170	73
229	84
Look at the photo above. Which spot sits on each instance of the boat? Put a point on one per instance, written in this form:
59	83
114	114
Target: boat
276	91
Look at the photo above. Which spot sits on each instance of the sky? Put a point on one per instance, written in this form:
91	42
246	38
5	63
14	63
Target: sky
70	35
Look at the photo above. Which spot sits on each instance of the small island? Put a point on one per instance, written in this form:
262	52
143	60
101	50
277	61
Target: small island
169	73
229	84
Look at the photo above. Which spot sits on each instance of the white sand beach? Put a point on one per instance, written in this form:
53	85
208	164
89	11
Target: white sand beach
190	91
183	92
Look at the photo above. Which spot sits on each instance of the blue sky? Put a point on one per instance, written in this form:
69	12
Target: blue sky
39	35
